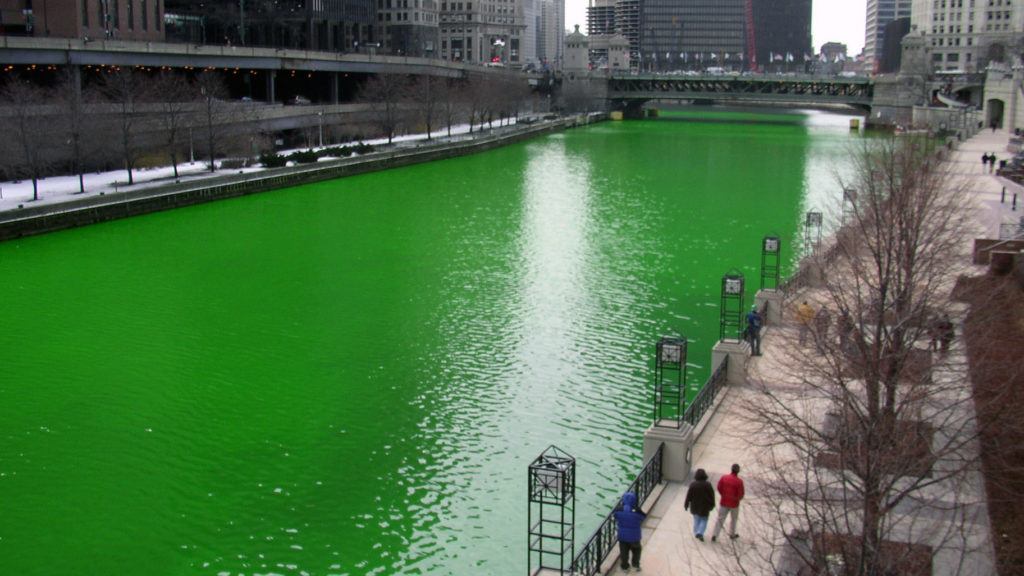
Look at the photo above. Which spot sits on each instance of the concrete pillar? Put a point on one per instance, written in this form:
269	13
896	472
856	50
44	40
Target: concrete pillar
677	455
737	353
774	300
271	82
333	76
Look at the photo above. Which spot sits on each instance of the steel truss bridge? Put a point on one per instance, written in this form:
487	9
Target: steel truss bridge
631	92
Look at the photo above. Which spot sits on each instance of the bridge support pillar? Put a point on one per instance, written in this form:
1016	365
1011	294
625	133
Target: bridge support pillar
634	110
334	87
271	81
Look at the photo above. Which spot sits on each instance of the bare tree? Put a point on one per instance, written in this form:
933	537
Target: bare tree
477	93
78	121
450	101
125	88
27	130
214	109
427	93
175	99
385	93
873	436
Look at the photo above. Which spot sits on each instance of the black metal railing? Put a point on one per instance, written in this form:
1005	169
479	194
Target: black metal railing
705	399
589	559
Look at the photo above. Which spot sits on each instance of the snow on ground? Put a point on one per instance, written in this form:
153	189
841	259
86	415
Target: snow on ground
57	189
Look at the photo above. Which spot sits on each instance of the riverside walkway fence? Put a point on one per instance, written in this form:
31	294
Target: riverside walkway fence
592	556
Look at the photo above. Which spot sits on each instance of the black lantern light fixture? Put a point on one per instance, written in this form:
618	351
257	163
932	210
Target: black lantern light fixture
771	255
812	232
733	287
552	514
670	382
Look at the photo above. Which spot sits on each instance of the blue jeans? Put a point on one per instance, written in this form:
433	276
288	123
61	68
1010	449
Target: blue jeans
700	524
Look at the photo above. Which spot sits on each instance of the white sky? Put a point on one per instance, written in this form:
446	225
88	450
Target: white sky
831	21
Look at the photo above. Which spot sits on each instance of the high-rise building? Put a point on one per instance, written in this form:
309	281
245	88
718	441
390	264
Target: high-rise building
408	27
677	34
669	35
96	19
879	14
482	31
964	35
551	44
782	30
324	25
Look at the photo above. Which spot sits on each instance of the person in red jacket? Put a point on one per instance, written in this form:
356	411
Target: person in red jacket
731	489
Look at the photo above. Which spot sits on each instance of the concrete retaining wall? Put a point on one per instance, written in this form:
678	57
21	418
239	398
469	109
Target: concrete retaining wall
83	211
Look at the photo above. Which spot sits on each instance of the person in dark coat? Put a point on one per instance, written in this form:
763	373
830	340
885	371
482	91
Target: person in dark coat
629	519
700	501
754	323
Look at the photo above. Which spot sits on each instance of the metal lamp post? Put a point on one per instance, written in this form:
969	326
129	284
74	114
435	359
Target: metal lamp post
733	286
552	517
812	232
670	382
771	255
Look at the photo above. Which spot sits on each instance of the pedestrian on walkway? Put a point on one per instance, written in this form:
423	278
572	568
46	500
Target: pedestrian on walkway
822	322
730	487
700	501
754	323
944	333
846	329
984	161
991	163
805	316
629	519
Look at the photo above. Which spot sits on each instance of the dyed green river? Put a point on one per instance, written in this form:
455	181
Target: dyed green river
352	377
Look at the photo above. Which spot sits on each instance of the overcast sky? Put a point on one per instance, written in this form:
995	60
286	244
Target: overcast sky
832	21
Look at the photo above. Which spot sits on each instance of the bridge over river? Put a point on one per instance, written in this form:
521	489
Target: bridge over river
631	92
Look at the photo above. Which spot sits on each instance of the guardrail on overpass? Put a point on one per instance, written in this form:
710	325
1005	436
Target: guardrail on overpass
18	50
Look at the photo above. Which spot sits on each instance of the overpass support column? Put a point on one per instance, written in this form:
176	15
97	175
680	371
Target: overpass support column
271	82
334	87
634	110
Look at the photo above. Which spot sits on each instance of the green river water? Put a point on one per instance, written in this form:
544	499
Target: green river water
352	377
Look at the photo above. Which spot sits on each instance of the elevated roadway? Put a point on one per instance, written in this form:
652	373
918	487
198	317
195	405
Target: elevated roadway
25	51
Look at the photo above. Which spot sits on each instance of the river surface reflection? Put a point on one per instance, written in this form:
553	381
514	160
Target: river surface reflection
351	377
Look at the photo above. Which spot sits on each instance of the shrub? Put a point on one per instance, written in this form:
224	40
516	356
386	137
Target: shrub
273	160
304	156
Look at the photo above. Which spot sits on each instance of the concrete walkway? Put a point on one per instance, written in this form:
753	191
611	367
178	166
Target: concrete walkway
670	548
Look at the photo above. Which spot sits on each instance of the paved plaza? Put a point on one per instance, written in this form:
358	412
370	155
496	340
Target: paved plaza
670	548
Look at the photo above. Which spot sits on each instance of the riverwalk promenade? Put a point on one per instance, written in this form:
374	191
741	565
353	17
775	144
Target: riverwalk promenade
669	545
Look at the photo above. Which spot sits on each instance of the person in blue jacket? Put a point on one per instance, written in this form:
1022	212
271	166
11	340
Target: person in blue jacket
629	519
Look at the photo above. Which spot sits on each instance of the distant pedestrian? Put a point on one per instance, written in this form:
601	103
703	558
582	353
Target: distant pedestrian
629	519
754	324
700	501
846	328
984	161
730	487
944	333
993	127
804	316
991	163
822	322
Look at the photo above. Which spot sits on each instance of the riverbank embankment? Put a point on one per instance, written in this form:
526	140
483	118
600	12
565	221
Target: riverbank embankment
27	218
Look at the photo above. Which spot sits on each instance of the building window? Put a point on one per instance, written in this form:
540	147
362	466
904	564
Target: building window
145	16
